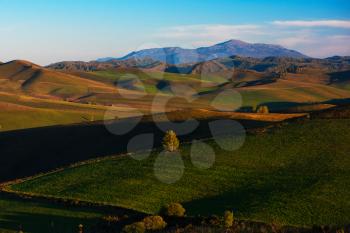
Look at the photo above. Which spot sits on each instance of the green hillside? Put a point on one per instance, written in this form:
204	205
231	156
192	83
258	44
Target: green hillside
298	174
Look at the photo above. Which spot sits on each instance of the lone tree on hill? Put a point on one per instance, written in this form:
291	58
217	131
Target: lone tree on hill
263	109
170	141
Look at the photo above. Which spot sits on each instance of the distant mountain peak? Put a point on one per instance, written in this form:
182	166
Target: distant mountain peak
233	42
178	55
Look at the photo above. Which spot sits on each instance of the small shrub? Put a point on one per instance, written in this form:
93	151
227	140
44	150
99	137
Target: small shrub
228	219
111	219
154	223
263	109
137	227
170	141
175	209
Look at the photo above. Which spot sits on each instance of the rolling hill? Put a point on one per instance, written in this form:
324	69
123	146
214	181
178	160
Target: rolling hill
25	77
33	96
277	82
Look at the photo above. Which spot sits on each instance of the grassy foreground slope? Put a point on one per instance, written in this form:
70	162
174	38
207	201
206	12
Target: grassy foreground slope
298	174
41	217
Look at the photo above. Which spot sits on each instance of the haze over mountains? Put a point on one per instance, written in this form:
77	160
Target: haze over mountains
177	55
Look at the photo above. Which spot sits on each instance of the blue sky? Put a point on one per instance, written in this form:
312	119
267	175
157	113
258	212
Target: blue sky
45	31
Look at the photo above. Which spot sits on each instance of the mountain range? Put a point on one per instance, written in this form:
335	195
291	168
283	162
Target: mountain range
215	66
177	55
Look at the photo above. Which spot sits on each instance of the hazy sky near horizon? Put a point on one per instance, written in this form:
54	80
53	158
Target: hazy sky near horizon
47	31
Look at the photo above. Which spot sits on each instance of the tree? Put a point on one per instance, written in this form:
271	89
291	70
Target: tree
263	109
228	218
170	141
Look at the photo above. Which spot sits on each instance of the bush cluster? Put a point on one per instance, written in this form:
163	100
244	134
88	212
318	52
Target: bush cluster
137	227
154	223
175	209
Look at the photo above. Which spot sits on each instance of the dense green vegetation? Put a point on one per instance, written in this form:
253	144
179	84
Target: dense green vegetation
298	174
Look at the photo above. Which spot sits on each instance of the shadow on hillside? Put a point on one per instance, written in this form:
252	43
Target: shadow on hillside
31	151
263	81
284	106
339	77
274	107
338	101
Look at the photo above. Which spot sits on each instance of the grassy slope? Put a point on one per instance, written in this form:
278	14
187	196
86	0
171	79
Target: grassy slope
148	80
19	111
11	120
113	76
27	112
283	91
40	217
296	175
292	92
29	78
20	116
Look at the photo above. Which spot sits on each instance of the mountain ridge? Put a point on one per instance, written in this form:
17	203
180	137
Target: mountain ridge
267	64
178	55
